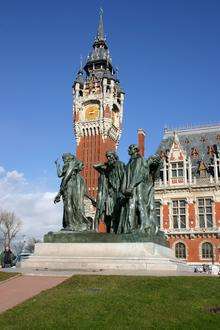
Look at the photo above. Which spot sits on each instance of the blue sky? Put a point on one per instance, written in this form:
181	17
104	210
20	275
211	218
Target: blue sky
168	57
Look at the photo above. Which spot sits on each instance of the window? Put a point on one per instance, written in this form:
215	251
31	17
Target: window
211	150
177	169
194	152
157	213
205	212
179	213
180	250
108	89
207	250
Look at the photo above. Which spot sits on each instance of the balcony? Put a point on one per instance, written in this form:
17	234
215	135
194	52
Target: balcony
193	232
196	182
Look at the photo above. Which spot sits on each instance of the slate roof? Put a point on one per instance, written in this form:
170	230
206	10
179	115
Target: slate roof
100	52
79	78
199	143
99	62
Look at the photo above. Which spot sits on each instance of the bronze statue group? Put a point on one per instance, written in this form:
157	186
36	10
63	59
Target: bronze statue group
125	198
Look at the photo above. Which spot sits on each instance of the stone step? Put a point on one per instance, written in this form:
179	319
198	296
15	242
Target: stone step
101	263
106	256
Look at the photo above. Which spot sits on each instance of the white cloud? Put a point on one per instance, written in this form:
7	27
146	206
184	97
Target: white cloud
35	208
2	170
15	176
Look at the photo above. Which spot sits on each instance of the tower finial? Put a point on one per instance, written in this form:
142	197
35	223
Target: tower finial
100	32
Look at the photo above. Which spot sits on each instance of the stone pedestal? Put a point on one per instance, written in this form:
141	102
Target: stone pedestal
94	237
95	256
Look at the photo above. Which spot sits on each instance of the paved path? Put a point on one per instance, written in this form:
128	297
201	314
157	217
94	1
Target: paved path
16	290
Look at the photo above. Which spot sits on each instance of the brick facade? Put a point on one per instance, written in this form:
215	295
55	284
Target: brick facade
91	150
189	194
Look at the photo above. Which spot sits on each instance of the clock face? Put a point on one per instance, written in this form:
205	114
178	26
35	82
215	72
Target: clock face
92	112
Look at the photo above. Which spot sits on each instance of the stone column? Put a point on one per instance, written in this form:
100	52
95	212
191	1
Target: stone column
185	171
77	90
164	172
190	171
215	169
170	173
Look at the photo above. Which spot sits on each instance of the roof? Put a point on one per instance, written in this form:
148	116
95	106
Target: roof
197	129
99	62
200	143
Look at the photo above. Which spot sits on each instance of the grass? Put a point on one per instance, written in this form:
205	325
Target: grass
121	302
6	276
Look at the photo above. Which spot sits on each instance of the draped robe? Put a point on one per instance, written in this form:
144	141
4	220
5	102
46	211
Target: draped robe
137	213
109	184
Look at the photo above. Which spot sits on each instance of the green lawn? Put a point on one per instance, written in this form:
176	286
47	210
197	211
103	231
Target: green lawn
120	302
5	276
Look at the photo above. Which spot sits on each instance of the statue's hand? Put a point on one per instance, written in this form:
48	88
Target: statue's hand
57	198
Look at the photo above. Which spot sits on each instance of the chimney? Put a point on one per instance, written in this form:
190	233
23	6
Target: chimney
141	141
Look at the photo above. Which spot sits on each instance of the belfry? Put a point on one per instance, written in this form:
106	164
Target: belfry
97	108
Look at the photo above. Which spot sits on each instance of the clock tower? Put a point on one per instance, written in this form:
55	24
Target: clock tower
97	108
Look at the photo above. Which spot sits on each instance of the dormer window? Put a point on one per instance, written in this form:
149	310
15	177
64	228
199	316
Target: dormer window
203	139
211	151
177	170
194	152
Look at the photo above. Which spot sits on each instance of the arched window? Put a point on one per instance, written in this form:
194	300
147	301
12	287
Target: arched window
108	89
180	250
207	250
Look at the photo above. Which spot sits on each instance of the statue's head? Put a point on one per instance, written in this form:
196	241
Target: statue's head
67	157
111	156
133	149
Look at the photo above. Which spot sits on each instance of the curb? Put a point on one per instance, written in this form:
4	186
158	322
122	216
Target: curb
11	278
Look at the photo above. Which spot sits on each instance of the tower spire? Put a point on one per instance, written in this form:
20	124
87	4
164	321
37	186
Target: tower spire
100	32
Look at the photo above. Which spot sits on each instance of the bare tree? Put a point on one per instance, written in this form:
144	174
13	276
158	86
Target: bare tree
10	225
18	247
29	247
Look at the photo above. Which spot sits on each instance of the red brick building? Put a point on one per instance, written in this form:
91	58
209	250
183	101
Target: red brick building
188	193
